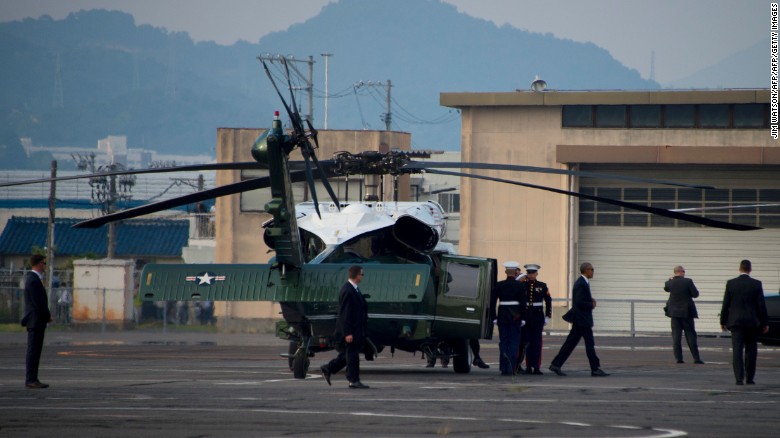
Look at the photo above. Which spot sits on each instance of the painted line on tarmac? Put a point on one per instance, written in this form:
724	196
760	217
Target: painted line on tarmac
550	400
664	433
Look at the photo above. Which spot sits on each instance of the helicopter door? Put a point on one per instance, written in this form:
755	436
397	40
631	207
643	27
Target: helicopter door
463	298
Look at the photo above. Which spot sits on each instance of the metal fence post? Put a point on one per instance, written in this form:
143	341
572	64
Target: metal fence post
633	321
103	323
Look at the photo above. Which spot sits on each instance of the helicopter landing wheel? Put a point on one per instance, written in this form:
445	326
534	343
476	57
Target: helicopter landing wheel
461	361
300	364
292	347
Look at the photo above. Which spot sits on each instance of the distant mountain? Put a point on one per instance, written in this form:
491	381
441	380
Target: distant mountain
97	73
748	68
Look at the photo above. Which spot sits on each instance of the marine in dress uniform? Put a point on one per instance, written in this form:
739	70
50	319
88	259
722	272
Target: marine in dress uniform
538	312
507	311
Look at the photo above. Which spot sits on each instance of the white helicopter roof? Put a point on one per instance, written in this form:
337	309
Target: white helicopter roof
357	218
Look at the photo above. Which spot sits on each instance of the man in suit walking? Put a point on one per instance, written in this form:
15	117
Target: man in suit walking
744	314
682	310
36	316
351	330
581	318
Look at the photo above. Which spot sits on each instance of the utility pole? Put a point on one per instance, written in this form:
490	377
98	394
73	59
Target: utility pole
105	192
388	114
326	55
387	117
111	202
309	88
58	101
50	227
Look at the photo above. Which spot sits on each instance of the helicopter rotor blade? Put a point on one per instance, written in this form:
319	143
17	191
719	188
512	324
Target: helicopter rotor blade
229	189
630	205
321	171
279	93
725	207
517	168
310	181
189	168
295	116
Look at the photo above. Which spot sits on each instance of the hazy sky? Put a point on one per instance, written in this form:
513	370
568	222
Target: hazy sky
686	35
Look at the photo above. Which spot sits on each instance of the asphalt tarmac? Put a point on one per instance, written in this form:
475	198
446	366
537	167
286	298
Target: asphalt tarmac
145	383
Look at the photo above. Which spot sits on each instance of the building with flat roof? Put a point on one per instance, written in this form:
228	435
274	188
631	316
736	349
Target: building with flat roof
721	138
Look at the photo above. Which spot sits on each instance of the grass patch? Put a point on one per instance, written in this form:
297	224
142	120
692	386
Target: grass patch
12	328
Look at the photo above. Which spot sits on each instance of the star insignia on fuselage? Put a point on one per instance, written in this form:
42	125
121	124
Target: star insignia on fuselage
205	278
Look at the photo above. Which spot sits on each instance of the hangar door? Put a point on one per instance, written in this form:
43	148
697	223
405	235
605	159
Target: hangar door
634	253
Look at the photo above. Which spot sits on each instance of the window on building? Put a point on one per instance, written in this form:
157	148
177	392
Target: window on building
758	207
577	116
611	116
450	202
714	116
750	115
679	116
703	116
645	116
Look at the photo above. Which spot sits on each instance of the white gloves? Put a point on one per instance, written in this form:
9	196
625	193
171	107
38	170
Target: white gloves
522	323
546	320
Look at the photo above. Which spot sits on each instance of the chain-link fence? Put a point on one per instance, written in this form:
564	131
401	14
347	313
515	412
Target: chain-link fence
12	295
635	316
629	316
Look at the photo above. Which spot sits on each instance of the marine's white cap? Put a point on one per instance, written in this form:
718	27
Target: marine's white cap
511	265
532	267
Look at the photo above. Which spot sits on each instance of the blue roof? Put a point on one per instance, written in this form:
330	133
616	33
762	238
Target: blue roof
134	238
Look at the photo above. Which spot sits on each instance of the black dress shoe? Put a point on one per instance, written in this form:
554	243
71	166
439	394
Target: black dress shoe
358	385
680	361
537	372
698	361
480	363
325	373
557	370
751	382
739	382
36	385
598	373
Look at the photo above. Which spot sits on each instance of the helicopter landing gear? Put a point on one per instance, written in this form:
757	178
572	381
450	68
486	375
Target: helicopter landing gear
299	358
461	362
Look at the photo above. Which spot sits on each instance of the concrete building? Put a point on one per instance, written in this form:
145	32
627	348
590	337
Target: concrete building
719	137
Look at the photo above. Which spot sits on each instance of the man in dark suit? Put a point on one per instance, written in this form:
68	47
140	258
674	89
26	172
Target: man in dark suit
351	330
744	314
682	310
36	316
581	318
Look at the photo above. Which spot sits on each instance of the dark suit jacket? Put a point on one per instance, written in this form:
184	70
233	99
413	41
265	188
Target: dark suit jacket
682	291
36	304
352	318
743	303
581	312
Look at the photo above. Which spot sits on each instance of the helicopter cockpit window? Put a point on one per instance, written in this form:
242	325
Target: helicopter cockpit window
378	246
312	245
462	280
